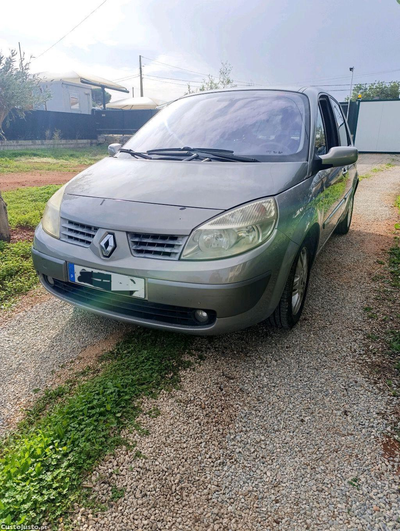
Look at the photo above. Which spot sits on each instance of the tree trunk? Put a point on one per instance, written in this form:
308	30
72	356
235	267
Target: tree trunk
4	227
3	114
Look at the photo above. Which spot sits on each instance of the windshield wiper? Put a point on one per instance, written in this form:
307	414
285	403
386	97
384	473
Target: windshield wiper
136	154
187	148
186	151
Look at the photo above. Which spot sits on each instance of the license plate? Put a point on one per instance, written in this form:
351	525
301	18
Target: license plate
107	281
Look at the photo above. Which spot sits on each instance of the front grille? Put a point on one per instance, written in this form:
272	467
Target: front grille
156	245
77	233
127	306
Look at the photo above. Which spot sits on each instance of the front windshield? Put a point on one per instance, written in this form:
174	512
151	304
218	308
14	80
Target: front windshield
265	124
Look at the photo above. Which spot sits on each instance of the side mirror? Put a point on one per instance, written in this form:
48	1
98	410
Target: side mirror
338	156
113	149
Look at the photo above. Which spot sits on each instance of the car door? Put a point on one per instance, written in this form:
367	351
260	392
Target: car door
336	180
344	137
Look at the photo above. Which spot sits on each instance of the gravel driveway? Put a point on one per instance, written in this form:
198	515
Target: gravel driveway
36	343
273	431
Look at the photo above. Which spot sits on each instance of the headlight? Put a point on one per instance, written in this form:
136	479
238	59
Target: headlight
234	232
51	216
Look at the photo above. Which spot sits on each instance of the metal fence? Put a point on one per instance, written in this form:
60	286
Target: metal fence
51	125
121	122
48	125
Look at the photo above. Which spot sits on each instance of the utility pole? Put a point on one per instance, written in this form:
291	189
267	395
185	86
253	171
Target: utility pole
351	91
141	75
21	64
133	92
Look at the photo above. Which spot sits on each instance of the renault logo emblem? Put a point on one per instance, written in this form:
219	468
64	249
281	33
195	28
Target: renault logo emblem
107	245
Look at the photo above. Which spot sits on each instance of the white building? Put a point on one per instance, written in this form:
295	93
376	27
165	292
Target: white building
72	91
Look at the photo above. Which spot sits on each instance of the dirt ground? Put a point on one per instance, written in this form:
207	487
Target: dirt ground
10	181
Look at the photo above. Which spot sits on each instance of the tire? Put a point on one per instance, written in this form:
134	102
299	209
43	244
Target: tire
343	226
290	307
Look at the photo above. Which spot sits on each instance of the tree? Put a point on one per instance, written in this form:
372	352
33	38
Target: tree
224	80
380	90
19	91
97	97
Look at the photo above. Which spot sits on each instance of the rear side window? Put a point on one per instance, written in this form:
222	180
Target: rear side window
320	135
341	125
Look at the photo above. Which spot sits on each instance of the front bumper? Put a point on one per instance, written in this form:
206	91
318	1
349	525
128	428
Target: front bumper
173	294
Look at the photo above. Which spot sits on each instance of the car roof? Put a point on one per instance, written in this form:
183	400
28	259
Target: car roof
311	91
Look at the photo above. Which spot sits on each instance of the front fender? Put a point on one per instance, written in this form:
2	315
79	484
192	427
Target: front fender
299	209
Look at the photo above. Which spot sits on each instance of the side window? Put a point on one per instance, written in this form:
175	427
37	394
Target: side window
341	125
320	135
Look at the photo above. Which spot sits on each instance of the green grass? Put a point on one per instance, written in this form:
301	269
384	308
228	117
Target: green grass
25	206
394	255
354	482
394	263
43	464
397	226
395	341
116	493
378	169
57	159
17	275
394	266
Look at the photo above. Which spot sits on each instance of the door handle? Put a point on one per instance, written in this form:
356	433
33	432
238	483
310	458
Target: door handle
344	171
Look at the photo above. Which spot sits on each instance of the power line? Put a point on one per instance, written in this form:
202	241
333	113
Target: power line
125	78
358	75
180	83
74	28
381	72
246	82
191	71
296	82
173	66
174	78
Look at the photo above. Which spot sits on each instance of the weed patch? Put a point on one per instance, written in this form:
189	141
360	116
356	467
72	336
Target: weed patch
378	169
355	482
25	206
43	465
394	263
17	274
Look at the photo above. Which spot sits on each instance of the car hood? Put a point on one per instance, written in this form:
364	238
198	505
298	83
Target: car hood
205	185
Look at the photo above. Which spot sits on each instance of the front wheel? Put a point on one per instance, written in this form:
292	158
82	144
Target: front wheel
291	305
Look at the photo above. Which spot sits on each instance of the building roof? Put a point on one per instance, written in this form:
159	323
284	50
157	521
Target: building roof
135	103
81	77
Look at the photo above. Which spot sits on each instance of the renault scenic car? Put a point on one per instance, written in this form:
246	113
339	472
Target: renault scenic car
209	218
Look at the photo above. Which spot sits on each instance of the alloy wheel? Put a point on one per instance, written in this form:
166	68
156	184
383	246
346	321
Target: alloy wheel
300	281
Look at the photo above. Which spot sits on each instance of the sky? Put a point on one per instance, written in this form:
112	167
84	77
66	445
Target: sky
267	42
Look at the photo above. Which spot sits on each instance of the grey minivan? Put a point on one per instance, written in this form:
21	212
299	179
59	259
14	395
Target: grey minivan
210	217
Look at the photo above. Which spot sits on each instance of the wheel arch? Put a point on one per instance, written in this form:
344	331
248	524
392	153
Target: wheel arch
312	238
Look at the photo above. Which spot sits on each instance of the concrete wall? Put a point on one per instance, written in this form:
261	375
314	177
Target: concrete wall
26	144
